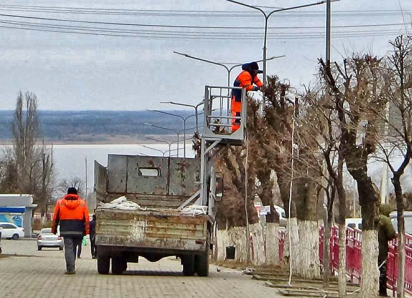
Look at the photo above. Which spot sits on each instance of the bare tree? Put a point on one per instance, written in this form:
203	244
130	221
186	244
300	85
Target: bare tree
399	140
76	182
357	89
33	162
327	135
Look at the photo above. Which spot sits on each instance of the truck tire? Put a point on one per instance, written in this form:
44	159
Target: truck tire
202	264
103	264
118	265
189	265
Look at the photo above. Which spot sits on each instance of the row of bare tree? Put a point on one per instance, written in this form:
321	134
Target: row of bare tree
302	144
27	167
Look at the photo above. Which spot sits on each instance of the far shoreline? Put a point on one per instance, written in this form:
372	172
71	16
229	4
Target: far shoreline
108	141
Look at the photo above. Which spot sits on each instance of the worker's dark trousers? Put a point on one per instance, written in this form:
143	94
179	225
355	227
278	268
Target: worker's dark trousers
93	246
70	244
382	280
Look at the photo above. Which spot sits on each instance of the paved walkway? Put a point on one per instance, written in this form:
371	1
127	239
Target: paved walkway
32	273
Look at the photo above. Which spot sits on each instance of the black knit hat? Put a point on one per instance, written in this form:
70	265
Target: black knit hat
255	66
72	191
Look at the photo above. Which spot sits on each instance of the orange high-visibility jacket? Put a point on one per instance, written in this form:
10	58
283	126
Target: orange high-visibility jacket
72	215
244	80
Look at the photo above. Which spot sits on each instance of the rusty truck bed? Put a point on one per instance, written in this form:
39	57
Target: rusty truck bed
162	229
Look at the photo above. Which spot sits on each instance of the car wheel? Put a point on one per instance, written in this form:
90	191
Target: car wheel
38	247
103	264
15	237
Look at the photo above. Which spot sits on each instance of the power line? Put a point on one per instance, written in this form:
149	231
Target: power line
187	26
185	13
152	34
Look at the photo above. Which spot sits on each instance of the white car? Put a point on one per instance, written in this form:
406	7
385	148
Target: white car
11	231
47	239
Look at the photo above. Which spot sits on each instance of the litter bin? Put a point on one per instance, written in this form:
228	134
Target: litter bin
230	252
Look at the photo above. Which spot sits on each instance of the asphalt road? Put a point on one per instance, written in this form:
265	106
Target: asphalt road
27	272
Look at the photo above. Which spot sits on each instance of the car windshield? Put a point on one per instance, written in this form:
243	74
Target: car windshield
408	224
46	231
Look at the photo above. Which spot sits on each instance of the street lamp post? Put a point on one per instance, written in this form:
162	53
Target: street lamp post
228	69
184	126
169	129
162	141
158	150
267	16
195	107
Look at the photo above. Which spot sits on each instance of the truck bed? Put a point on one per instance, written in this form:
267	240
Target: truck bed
162	229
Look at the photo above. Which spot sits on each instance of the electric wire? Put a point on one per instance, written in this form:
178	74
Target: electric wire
187	13
192	26
152	34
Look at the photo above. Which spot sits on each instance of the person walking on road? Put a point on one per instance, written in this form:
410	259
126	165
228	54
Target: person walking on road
72	215
93	236
386	232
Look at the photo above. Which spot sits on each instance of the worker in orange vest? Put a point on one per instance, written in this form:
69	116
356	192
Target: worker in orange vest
245	79
72	215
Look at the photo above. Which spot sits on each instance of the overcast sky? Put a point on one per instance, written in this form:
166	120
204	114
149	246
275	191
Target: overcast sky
93	72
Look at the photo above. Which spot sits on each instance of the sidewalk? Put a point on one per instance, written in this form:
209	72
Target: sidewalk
33	273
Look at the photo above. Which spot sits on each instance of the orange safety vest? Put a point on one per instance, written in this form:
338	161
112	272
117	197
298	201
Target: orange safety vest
244	80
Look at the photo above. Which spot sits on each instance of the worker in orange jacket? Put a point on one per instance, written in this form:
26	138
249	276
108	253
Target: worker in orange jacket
72	215
245	79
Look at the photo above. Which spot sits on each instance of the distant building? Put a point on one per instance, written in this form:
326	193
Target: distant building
17	209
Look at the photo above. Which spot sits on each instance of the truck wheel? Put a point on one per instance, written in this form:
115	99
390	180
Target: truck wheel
118	265
202	264
189	265
103	264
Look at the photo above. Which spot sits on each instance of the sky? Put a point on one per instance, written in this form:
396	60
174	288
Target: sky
138	70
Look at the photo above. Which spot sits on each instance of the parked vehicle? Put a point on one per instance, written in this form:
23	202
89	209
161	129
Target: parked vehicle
354	223
158	227
11	231
263	210
408	221
47	239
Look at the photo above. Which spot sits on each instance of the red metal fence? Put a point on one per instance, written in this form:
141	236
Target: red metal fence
354	256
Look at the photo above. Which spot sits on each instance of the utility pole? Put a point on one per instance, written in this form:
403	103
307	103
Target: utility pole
86	177
328	31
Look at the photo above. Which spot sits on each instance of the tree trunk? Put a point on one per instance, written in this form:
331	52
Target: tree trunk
342	260
326	255
222	241
294	244
272	243
237	237
308	249
370	271
258	247
401	237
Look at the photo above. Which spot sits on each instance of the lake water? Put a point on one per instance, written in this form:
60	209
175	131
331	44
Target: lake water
70	160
